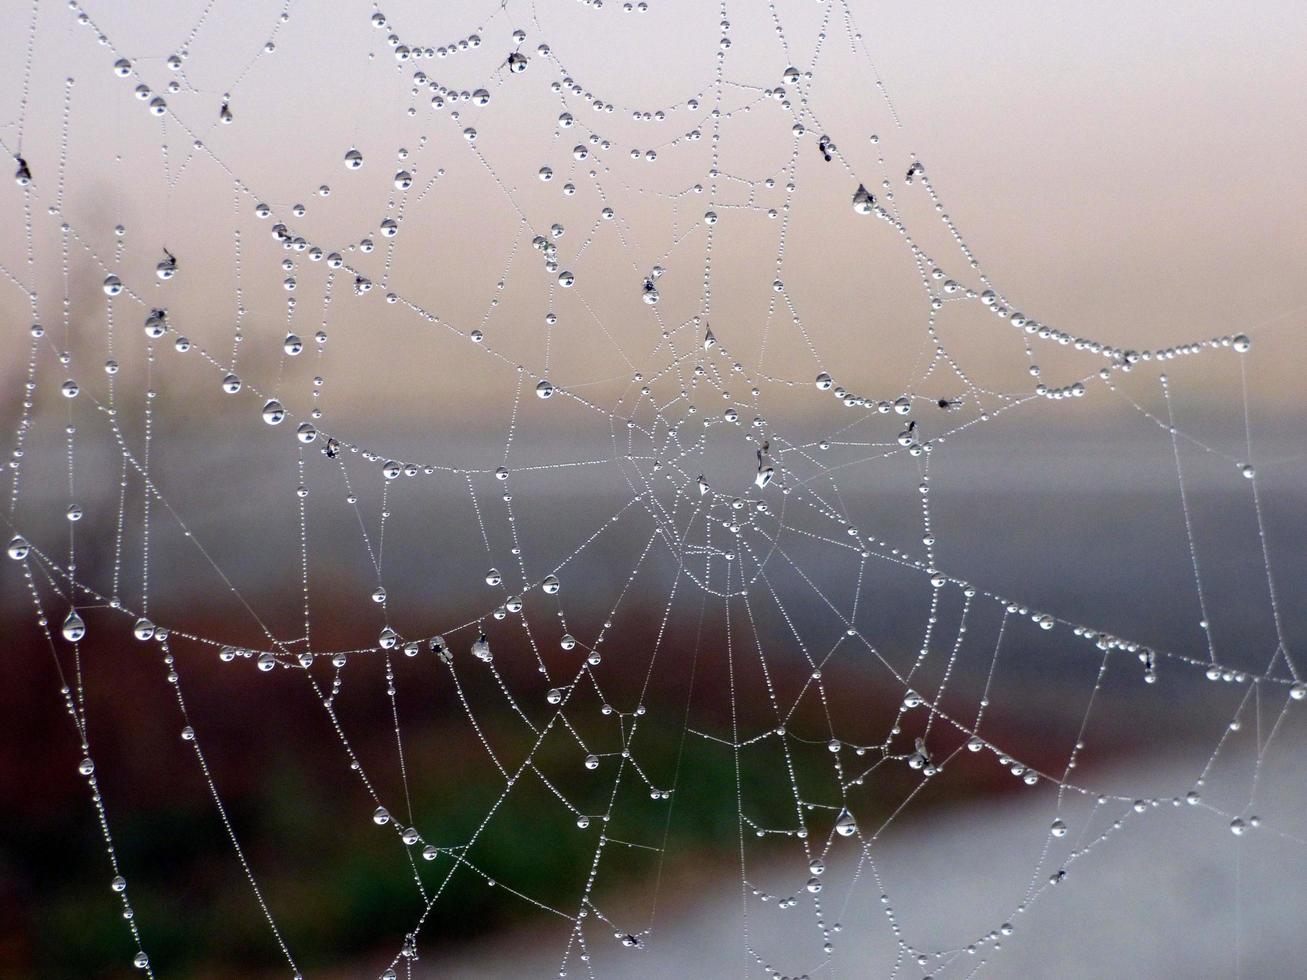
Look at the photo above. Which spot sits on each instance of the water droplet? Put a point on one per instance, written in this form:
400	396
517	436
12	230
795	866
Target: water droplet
18	547
167	267
273	413
864	202
143	630
156	324
74	628
481	648
845	825
551	584
441	649
353	159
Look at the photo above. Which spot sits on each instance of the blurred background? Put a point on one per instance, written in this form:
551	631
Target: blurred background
1121	174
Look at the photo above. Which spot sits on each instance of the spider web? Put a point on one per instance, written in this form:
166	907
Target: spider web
634	408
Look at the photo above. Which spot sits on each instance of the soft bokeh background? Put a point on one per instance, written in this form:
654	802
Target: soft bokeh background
1123	172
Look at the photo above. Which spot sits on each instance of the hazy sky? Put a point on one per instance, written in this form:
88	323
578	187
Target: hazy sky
1122	172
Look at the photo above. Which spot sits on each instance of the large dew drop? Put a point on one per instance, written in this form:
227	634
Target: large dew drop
74	628
156	324
845	825
273	413
167	267
481	648
864	202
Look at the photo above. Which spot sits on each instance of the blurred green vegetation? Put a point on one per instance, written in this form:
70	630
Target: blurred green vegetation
342	889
